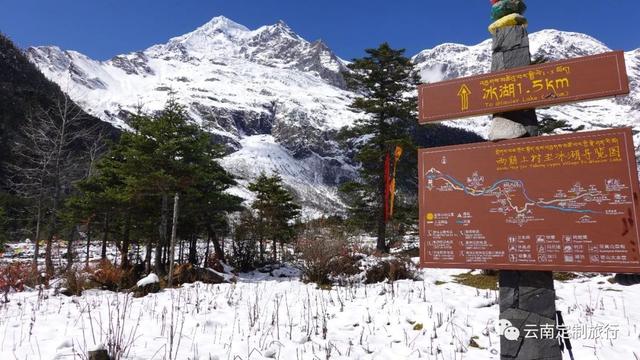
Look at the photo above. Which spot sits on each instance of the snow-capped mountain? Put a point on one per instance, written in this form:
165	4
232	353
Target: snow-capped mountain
450	61
244	86
276	99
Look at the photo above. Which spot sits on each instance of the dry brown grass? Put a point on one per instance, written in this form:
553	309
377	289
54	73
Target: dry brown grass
391	270
479	281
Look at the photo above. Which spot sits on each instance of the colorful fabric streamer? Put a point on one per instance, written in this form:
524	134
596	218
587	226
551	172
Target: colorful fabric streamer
387	185
509	20
503	8
392	187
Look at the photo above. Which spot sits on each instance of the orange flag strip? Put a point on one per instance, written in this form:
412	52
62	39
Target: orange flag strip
387	188
392	188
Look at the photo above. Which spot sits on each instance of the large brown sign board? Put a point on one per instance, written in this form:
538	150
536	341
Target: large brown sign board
566	81
562	203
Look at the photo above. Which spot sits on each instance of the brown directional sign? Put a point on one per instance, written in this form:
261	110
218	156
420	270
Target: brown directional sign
562	203
559	82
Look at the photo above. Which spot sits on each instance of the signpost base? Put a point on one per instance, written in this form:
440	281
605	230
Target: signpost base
527	300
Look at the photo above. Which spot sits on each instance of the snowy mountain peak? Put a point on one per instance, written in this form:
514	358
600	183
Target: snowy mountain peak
219	25
555	44
219	35
280	24
222	40
279	29
275	99
565	36
222	23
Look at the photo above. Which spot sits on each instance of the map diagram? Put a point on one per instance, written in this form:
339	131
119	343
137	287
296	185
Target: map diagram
561	203
510	196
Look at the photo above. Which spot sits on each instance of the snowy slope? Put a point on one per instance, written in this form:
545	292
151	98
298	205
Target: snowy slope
276	99
284	318
237	83
261	153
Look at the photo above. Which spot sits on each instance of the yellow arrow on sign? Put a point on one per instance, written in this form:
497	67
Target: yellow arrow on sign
464	93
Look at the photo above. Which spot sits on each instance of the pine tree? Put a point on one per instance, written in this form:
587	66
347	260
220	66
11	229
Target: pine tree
131	190
384	80
101	202
275	211
160	157
207	204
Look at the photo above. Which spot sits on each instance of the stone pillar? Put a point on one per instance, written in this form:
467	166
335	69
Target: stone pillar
511	49
526	297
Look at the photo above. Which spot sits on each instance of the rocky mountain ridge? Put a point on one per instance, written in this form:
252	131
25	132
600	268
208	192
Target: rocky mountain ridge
276	100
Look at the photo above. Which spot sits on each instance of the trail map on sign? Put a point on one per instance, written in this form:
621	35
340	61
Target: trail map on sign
565	202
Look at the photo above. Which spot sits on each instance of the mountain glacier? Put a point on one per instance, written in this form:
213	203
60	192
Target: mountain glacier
277	100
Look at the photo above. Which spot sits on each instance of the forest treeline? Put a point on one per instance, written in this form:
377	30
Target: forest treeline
67	177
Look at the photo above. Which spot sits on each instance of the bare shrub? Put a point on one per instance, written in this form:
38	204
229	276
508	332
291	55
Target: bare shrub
391	270
321	248
346	264
108	276
120	333
75	282
15	276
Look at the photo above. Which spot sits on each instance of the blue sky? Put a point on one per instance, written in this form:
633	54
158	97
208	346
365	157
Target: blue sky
104	28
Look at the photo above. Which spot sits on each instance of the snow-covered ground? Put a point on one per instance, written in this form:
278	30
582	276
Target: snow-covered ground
283	318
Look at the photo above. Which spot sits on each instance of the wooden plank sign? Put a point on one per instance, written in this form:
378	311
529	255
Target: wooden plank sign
566	81
562	203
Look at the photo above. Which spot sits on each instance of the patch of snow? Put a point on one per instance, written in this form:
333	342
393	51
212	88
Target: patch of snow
97	347
147	280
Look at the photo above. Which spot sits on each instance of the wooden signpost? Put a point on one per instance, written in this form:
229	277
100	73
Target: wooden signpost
559	82
562	203
565	202
485	205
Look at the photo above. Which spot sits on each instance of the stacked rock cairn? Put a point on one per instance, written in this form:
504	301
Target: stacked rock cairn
526	297
510	49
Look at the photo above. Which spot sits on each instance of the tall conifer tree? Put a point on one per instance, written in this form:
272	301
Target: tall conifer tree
162	155
276	209
384	81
